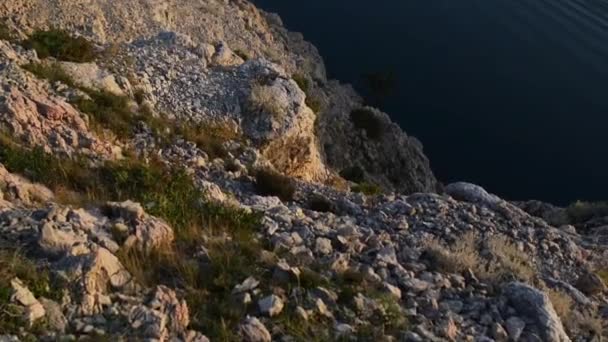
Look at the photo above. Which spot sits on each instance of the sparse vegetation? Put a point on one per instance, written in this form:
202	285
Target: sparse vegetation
232	252
210	137
460	256
61	45
272	183
562	303
365	119
509	261
580	212
14	264
51	72
367	188
243	54
505	261
353	174
304	83
5	32
322	204
263	99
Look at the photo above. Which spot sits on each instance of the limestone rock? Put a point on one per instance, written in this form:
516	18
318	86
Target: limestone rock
252	330
271	305
22	295
536	305
90	75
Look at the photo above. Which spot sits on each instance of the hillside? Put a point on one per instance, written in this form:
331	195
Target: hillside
184	171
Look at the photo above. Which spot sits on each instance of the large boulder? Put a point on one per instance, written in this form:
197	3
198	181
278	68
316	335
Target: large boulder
279	122
536	306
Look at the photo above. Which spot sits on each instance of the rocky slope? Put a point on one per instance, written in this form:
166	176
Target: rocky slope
187	173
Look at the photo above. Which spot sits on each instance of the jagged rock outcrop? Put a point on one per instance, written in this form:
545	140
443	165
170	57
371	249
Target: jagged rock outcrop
395	160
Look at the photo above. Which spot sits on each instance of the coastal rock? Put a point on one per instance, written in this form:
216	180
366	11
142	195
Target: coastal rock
536	305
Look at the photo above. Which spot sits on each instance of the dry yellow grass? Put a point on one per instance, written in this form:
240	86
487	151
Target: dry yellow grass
562	303
262	99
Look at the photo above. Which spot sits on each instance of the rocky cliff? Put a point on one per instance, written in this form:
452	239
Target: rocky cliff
184	171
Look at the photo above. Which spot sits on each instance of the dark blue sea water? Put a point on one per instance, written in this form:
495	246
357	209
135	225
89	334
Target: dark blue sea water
509	94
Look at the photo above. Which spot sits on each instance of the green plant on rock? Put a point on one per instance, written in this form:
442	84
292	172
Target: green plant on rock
14	264
353	174
580	212
367	188
50	71
61	45
365	119
5	32
272	183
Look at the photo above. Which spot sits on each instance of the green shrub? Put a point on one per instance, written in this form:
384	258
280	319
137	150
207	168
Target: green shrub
580	212
313	102
5	32
367	188
322	204
14	264
52	72
365	119
243	54
353	174
61	45
272	183
302	81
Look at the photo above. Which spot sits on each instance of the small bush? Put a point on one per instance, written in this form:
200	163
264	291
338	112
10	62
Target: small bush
52	72
262	99
302	81
365	119
243	54
509	262
353	174
562	303
14	264
272	183
580	212
456	258
322	204
210	137
61	45
5	32
313	102
367	188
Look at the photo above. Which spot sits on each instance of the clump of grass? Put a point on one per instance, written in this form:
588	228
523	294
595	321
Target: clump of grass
459	257
353	174
108	111
509	261
262	99
14	264
243	54
322	204
210	137
603	274
580	212
367	188
313	102
272	183
232	250
365	119
562	303
61	45
5	32
51	71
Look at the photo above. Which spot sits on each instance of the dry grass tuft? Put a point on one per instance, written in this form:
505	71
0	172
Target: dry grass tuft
263	99
562	303
459	257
